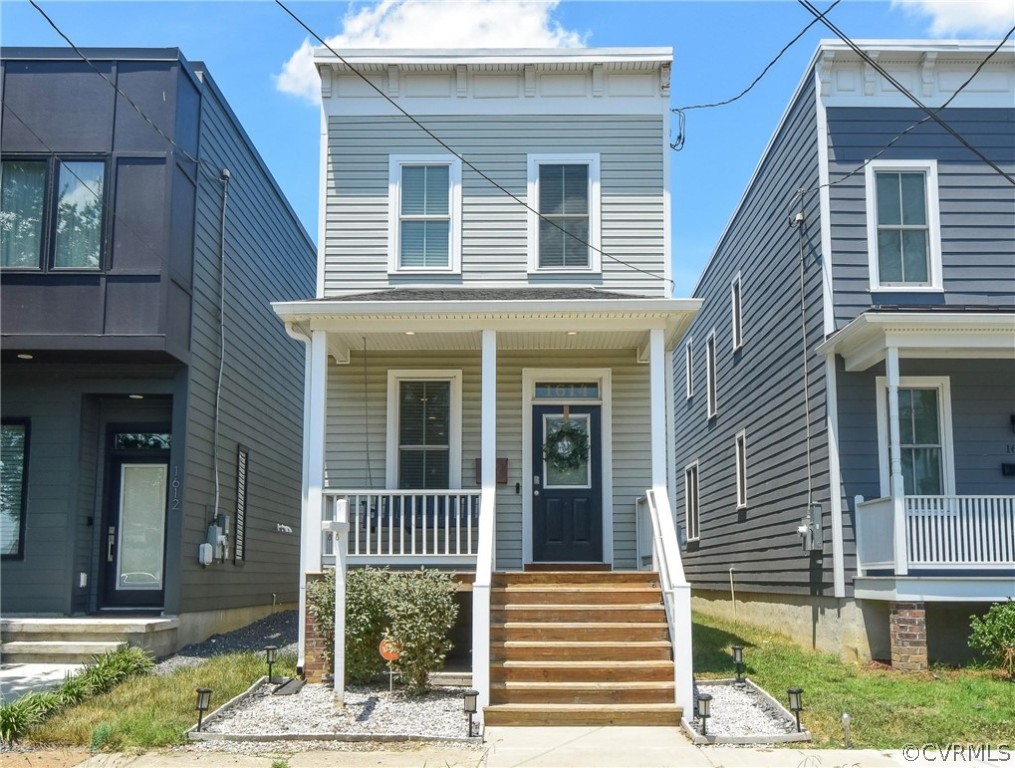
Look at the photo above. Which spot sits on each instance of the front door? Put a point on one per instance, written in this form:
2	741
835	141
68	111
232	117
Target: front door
134	526
567	501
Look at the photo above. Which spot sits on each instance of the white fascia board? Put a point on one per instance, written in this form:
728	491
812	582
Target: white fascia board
932	589
495	56
303	310
973	334
915	46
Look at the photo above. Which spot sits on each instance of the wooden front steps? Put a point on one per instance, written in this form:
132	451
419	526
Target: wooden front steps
580	648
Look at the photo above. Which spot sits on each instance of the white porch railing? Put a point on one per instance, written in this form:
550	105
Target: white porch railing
411	527
942	532
658	546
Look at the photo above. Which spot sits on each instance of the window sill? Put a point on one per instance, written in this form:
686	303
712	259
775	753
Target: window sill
425	271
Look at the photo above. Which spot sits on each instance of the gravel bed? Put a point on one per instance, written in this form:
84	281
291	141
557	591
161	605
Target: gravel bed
281	629
740	711
274	749
367	711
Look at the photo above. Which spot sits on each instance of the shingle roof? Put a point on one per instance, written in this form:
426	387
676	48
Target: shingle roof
484	294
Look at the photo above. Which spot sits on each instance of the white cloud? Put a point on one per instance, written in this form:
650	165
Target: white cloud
956	17
433	24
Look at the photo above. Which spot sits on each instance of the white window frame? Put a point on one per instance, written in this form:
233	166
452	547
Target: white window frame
711	376
695	534
395	165
737	311
395	377
740	450
944	398
595	209
929	168
689	367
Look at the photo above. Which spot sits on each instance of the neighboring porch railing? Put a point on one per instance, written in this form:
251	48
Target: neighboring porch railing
942	532
411	527
659	550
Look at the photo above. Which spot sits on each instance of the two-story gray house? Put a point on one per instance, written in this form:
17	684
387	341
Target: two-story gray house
488	355
151	409
845	398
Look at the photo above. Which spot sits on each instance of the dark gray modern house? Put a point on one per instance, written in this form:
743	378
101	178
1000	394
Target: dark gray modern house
151	441
845	399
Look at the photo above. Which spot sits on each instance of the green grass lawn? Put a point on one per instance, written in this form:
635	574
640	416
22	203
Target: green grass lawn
152	710
888	708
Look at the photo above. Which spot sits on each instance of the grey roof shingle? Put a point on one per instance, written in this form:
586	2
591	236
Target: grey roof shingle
483	294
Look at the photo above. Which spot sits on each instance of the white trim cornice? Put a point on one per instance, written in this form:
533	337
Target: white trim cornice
969	335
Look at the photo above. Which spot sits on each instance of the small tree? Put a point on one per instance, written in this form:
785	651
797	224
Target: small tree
994	636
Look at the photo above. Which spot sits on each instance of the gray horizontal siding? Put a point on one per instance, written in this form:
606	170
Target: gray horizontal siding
977	204
357	430
268	258
494	232
760	388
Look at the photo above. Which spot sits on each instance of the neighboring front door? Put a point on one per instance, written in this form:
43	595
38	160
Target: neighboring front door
567	504
134	526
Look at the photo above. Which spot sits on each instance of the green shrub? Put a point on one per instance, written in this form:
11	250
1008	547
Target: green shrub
100	737
415	608
994	636
421	612
15	720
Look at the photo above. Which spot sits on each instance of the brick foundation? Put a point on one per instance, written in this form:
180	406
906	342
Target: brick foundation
907	625
315	663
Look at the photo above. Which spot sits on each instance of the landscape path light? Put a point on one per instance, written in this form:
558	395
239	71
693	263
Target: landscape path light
203	702
270	654
704	711
796	703
738	661
471	696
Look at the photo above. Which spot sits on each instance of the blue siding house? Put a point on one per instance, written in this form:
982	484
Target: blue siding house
140	421
845	400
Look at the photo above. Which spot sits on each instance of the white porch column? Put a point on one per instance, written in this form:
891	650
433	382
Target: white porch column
895	461
485	555
658	411
314	418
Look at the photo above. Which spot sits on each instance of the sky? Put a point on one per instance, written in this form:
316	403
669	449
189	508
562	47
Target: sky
260	59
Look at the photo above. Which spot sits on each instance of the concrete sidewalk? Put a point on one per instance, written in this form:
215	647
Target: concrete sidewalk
18	679
615	747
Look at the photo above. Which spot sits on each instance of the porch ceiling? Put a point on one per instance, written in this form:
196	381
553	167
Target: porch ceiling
506	340
923	334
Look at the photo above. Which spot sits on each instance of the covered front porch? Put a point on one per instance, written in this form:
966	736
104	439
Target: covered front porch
428	417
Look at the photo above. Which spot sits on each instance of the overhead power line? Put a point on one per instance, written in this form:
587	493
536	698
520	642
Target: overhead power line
678	143
471	166
113	85
931	114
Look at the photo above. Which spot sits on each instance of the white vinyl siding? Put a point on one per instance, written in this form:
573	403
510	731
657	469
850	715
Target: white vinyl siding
495	228
903	234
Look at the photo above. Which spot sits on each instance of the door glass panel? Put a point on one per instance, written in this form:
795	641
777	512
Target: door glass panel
142	526
577	477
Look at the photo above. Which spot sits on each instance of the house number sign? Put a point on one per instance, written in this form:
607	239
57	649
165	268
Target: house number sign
588	390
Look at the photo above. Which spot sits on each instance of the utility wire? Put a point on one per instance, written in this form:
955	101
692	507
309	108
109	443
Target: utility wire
931	114
678	143
800	193
113	85
458	155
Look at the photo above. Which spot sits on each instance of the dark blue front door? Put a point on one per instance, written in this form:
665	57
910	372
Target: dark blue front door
567	505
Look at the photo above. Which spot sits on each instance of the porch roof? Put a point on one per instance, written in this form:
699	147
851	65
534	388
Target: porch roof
955	332
453	318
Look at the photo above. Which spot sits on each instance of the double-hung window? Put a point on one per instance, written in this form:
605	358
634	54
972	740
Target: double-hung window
925	446
52	213
691	516
564	235
425	194
903	225
424	429
14	437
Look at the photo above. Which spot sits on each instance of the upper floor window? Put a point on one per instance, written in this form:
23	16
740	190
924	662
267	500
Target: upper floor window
737	312
425	193
710	376
903	225
689	367
52	226
564	236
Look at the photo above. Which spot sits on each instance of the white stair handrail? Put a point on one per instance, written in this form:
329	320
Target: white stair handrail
676	594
